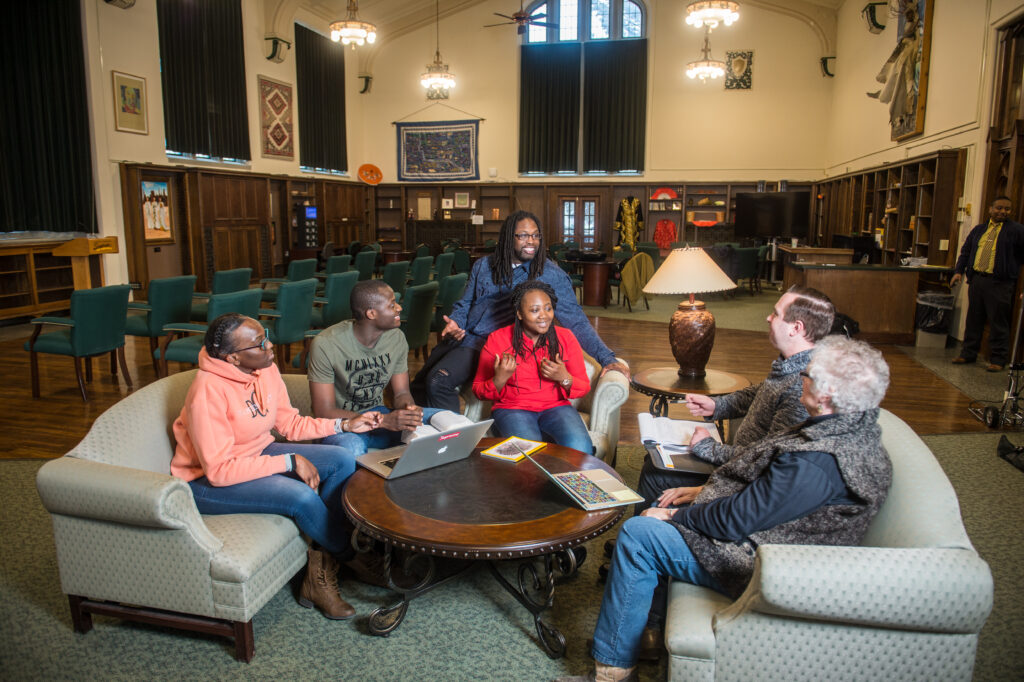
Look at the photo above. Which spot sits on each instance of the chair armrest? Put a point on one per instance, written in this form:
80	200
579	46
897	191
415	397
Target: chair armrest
932	589
139	305
270	313
185	327
320	299
82	488
61	321
272	280
606	397
310	333
201	294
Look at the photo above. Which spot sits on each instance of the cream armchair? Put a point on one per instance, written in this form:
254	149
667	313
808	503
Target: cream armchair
131	543
599	408
908	604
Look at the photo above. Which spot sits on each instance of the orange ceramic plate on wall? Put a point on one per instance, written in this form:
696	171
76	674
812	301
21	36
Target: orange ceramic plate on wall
370	174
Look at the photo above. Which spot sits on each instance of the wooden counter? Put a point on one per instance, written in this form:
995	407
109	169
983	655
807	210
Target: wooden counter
809	254
881	298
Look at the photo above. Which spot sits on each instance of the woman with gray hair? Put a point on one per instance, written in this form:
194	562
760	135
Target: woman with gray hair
818	483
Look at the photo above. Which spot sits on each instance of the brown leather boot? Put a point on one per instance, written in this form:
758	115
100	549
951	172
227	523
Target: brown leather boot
320	587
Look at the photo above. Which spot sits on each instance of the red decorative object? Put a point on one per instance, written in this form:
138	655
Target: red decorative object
665	233
664	193
370	174
705	223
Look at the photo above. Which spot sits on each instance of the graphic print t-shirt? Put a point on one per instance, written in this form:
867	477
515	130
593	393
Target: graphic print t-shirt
359	374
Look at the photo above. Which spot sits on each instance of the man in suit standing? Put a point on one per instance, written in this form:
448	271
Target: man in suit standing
990	260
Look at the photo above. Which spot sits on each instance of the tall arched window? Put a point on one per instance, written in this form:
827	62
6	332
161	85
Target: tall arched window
583	88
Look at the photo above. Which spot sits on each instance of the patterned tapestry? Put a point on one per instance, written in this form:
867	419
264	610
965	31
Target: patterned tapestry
276	137
737	69
438	150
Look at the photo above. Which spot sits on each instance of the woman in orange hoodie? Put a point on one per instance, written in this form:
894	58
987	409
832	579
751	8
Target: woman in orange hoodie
531	370
226	452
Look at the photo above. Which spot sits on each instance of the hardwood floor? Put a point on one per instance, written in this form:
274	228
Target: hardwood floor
52	425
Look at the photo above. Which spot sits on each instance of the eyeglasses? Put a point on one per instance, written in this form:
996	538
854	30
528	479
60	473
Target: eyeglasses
524	236
262	345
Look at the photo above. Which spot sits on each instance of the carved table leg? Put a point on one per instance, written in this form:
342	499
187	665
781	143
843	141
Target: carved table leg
537	593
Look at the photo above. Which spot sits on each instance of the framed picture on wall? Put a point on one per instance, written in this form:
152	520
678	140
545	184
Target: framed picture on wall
446	203
157	219
130	103
462	200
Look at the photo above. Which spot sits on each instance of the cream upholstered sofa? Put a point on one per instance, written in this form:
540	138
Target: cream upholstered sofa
599	408
131	543
906	605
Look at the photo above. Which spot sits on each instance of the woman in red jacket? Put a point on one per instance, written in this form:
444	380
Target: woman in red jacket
531	369
226	452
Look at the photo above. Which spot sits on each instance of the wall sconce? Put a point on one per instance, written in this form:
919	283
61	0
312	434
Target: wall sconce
871	16
278	49
826	70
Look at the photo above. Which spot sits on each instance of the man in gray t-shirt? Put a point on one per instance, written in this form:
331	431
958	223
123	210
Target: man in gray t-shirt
352	362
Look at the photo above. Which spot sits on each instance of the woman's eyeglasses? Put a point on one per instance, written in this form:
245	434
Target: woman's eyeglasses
262	345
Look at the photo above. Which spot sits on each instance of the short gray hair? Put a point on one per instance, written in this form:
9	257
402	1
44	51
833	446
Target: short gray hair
852	373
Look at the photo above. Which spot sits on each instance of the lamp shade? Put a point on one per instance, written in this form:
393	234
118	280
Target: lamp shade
688	271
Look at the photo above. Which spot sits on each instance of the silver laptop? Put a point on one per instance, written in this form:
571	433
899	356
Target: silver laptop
425	452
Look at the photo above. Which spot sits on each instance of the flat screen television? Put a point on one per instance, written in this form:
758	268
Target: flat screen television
773	214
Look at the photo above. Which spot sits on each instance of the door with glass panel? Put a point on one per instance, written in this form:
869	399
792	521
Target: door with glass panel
578	220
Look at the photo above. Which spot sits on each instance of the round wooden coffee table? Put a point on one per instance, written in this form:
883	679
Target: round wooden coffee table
664	385
478	510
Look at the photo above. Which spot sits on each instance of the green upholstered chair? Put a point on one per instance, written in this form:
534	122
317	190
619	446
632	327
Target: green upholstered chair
224	282
335	304
575	278
298	270
450	291
571	244
463	262
336	264
168	300
422	250
186	348
365	260
94	327
490	245
555	250
291	317
637	271
443	265
394	276
651	250
419	271
419	304
747	266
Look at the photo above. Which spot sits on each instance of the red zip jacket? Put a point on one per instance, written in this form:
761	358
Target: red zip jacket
526	389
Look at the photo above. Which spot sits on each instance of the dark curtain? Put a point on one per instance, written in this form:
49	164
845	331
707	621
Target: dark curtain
549	106
203	74
320	94
614	105
45	159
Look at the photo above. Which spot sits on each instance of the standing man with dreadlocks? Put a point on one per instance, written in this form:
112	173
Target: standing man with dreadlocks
486	306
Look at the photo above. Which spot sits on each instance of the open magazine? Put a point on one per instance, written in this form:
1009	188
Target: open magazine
444	420
668	442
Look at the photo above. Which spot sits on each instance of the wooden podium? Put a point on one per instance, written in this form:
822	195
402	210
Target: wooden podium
79	250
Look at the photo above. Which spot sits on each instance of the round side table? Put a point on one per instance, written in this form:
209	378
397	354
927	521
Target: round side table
664	385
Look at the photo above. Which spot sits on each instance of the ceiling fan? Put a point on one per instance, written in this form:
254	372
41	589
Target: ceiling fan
521	19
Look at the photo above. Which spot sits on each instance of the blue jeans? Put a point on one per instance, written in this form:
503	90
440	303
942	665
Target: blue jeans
562	425
318	515
359	443
646	549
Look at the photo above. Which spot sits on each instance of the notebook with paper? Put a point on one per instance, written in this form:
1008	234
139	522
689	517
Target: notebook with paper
668	442
426	452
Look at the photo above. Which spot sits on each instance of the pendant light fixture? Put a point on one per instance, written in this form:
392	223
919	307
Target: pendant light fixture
351	30
706	67
711	13
437	80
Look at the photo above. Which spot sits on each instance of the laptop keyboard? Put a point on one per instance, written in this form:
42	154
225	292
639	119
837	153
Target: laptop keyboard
585	488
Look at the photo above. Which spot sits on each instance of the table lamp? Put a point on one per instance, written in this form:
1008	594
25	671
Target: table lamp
691	331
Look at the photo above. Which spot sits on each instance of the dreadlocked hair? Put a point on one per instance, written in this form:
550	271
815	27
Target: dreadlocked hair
218	334
505	250
548	339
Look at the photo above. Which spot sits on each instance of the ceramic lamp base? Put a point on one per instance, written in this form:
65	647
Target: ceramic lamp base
691	334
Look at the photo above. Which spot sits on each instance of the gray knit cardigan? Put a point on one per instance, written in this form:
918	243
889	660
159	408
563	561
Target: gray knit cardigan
854	439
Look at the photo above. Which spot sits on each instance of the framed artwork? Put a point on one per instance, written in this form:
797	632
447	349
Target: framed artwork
130	103
447	203
438	151
904	76
276	137
157	225
738	68
462	200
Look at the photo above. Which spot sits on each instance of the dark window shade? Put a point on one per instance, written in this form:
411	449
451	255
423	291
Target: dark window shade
202	69
549	106
320	94
45	159
614	105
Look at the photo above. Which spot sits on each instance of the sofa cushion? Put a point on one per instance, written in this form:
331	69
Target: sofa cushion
689	630
250	541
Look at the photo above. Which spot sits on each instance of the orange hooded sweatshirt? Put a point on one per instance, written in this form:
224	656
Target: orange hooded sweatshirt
226	421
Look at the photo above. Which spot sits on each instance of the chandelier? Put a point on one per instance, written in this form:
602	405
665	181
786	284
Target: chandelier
711	13
706	67
351	29
437	80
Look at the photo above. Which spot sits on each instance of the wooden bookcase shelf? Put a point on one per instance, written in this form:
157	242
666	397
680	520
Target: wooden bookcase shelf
33	281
